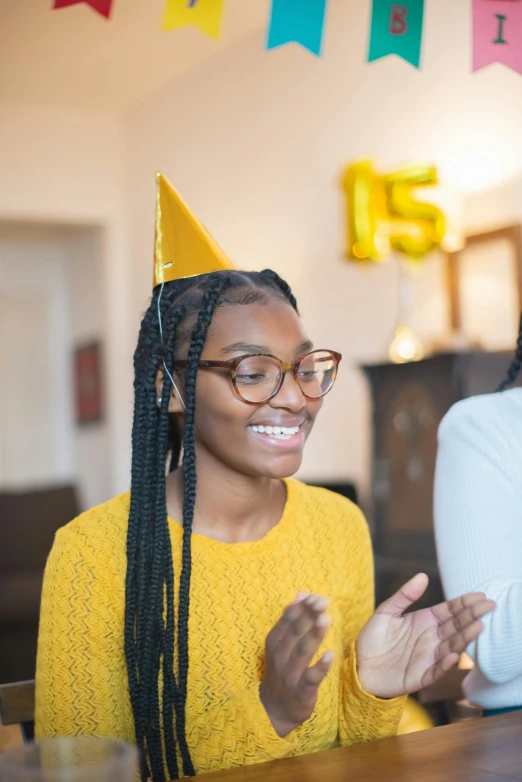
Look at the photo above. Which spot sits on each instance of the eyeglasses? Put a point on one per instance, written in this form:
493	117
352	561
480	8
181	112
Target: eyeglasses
258	378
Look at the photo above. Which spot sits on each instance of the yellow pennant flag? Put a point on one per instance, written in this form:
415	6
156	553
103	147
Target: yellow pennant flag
205	14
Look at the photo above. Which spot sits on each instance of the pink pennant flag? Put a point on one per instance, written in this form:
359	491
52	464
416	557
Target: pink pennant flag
497	33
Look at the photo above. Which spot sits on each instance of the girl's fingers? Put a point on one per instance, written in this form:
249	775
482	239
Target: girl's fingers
451	608
465	618
313	676
292	616
298	620
317	603
397	604
305	649
458	642
300	597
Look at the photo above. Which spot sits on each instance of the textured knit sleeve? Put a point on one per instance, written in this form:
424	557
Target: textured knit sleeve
362	717
238	733
81	682
478	521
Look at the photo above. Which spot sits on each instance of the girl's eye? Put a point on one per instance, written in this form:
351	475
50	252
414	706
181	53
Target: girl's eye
250	379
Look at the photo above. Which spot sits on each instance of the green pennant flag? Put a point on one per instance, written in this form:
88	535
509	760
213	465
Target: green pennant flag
396	29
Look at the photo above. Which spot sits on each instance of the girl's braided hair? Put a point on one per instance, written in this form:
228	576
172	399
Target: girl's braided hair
152	628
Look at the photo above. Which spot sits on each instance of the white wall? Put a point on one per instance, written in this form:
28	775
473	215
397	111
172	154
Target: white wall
87	317
59	167
51	302
256	142
37	447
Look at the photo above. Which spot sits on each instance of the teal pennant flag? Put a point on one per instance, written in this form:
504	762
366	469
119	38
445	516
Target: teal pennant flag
397	29
297	21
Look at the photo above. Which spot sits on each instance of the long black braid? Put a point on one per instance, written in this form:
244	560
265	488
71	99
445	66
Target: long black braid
187	309
516	363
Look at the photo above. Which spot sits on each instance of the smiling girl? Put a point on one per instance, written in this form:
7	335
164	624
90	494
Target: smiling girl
220	613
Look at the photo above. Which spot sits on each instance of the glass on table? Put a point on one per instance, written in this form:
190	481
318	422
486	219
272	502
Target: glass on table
77	759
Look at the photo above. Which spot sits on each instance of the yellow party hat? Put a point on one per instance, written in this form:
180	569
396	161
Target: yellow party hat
182	246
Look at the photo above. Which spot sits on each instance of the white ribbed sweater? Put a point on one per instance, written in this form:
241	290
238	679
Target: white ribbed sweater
478	525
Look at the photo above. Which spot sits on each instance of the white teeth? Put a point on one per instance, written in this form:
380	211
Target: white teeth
281	432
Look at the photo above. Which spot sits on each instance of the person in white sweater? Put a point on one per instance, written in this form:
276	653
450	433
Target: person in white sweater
478	528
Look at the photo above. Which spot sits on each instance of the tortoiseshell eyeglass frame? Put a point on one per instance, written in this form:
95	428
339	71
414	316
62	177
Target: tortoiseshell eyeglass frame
286	366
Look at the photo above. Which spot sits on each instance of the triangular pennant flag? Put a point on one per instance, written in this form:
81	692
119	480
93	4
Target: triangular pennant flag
396	29
497	33
102	6
207	15
297	21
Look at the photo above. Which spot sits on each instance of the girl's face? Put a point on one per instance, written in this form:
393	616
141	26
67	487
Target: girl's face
226	425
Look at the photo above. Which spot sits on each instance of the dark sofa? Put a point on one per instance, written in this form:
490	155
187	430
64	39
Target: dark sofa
28	522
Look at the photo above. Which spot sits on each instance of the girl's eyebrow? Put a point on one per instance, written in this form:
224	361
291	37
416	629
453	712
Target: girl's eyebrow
259	350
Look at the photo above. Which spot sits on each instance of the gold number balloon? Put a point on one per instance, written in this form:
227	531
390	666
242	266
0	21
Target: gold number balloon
382	213
416	227
364	199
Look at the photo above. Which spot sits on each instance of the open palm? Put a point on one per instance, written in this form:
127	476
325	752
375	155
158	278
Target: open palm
398	654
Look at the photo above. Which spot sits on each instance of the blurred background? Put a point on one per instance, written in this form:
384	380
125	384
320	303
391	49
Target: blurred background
257	142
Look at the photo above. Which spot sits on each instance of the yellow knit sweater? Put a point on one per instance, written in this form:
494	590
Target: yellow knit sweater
238	592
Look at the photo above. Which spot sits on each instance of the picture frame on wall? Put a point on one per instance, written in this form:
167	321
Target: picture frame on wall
484	282
88	387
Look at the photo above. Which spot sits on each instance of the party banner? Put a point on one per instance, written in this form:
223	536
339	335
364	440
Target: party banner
297	21
102	6
396	28
497	33
205	14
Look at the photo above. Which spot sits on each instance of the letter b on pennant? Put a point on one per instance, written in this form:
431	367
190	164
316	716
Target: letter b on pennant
397	29
398	19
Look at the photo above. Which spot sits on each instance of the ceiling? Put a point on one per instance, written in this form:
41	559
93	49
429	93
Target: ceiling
74	58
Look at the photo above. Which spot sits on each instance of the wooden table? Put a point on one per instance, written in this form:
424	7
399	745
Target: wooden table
484	750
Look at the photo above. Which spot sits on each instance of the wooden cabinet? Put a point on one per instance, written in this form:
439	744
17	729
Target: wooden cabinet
409	401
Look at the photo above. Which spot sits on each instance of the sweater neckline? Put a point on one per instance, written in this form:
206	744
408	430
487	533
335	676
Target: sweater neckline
267	542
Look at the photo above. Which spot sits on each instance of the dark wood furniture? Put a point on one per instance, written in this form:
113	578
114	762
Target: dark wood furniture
28	523
488	750
17	703
17	706
345	489
409	401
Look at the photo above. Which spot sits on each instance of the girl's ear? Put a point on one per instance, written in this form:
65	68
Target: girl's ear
175	403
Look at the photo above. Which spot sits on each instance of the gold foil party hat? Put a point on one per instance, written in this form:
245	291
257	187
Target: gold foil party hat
182	246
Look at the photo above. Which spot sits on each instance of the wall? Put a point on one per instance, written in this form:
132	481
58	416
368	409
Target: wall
35	429
256	142
52	301
67	168
87	314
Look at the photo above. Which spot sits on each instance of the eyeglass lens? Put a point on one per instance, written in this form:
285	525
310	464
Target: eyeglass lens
257	377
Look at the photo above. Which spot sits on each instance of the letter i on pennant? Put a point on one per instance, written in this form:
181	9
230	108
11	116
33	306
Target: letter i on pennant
497	33
396	28
207	15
